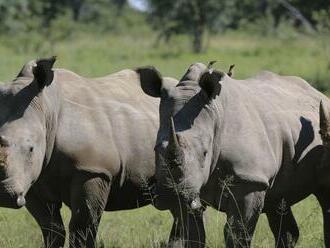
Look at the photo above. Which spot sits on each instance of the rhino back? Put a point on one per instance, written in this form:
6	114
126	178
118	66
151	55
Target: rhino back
108	124
270	124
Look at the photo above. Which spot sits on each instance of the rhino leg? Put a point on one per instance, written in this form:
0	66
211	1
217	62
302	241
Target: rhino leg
89	194
243	210
49	218
187	230
284	228
324	200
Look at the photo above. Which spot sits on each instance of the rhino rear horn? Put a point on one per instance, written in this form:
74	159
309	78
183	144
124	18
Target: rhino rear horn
43	72
324	119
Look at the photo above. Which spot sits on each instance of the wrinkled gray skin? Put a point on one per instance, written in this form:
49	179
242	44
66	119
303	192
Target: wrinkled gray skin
241	146
85	142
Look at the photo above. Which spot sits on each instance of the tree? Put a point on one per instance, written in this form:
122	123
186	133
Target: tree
192	17
195	17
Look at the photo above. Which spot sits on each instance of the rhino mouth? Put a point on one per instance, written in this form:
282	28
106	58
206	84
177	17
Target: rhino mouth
8	201
167	200
11	199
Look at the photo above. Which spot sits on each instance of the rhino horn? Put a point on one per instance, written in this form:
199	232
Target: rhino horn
324	119
174	151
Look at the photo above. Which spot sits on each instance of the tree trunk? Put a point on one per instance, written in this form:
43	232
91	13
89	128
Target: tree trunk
76	8
198	38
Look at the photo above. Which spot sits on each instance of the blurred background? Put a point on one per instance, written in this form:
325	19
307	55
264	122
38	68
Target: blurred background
99	37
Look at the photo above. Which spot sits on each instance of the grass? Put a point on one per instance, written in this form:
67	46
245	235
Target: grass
96	55
147	227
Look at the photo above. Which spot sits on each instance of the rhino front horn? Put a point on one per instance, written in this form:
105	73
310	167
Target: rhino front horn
173	140
174	152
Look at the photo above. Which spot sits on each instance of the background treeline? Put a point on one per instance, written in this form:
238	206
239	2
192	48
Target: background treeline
168	17
288	36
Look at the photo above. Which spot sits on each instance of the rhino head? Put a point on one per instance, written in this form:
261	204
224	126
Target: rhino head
185	142
23	131
325	132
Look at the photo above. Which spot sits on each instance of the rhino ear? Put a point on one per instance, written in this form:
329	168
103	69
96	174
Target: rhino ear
151	80
43	72
324	119
210	83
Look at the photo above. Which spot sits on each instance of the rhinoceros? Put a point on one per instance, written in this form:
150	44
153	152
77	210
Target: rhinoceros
87	143
240	146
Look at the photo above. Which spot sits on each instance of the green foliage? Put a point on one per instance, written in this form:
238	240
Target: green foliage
195	17
192	17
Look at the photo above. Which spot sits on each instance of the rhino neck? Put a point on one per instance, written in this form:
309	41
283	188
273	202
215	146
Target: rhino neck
218	106
52	103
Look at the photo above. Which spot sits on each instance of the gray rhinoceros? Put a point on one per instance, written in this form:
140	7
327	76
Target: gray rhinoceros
241	146
85	142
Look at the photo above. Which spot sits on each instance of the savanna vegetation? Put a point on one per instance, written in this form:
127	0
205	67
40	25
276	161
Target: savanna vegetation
101	37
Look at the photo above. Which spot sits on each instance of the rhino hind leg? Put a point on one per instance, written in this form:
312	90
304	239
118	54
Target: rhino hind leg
284	227
187	229
243	210
49	219
89	194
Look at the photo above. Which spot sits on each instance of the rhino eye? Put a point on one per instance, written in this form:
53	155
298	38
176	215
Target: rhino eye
205	153
31	149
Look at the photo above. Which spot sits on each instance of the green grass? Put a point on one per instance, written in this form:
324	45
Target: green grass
147	227
96	55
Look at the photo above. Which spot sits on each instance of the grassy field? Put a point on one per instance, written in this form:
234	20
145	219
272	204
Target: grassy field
97	55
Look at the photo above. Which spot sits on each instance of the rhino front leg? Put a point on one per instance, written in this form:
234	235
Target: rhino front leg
187	229
49	218
89	194
284	227
243	210
323	196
